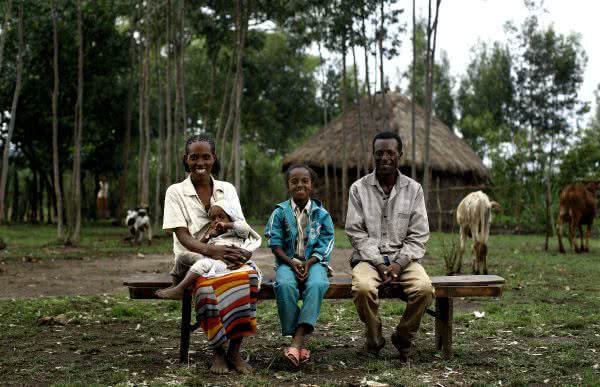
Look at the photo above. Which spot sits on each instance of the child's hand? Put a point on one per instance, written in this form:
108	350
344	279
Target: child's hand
298	268
221	227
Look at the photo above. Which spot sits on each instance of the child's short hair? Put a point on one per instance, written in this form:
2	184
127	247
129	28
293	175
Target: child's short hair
313	174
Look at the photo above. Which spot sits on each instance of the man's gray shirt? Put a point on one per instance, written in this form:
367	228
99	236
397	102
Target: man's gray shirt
395	225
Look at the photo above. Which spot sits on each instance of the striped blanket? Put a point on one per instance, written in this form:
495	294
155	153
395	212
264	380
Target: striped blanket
226	305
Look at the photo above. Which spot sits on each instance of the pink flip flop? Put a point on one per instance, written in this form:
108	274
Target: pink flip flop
292	355
304	355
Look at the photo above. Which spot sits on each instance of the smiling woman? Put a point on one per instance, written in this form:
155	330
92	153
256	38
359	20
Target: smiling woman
186	215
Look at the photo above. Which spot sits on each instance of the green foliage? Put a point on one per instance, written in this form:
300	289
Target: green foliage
443	82
485	97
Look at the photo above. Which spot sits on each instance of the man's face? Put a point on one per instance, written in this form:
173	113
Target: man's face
387	156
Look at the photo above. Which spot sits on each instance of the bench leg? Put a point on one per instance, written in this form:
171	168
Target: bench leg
184	340
443	325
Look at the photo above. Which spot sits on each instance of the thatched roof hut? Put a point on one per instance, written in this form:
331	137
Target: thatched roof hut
455	166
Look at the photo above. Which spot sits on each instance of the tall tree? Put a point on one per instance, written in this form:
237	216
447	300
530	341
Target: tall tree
13	116
413	93
168	118
4	31
242	13
145	145
55	158
429	61
443	83
128	117
74	233
486	99
549	72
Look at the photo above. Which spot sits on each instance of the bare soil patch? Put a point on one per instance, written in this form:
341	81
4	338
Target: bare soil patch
84	276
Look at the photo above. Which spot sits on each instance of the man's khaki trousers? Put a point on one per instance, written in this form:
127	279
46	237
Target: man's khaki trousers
416	285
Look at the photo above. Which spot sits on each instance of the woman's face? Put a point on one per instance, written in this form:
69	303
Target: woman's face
200	158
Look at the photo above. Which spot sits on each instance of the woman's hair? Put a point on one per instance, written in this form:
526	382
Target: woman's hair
313	174
202	138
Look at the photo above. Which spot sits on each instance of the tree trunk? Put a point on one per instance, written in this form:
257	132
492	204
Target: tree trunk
13	116
141	137
413	89
75	218
161	152
361	128
226	96
234	165
127	137
145	175
381	37
430	60
169	135
327	198
4	31
177	119
60	232
368	85
344	125
14	216
181	57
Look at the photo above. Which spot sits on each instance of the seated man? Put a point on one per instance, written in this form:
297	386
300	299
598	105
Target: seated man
388	228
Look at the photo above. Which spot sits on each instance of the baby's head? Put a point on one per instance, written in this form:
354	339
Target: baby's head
216	215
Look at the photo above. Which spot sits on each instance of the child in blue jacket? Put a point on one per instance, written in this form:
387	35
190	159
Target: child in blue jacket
300	234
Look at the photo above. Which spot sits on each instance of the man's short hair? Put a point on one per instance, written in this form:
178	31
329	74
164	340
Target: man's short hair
387	135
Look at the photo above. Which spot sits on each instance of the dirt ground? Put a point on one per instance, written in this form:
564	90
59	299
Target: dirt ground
32	278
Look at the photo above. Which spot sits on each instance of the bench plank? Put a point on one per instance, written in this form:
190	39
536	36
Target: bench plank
340	287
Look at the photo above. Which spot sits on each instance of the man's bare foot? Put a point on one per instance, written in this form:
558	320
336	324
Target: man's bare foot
219	364
172	293
238	363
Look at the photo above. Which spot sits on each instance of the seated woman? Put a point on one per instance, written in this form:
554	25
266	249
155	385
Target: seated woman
300	234
223	231
186	215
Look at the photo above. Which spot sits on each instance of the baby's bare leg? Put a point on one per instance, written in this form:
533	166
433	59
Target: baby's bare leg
176	292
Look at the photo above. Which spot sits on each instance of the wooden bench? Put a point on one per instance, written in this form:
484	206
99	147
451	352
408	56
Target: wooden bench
446	289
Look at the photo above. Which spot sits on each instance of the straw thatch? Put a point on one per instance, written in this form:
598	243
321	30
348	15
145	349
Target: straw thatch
455	168
449	154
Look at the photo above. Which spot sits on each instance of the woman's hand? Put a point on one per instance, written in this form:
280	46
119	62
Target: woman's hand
231	254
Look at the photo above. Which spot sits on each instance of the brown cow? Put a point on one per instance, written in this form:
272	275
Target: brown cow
577	208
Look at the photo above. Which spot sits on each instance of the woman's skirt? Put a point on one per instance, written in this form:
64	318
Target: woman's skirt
226	305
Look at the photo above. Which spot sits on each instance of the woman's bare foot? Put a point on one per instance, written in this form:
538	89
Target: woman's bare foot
240	365
219	364
172	293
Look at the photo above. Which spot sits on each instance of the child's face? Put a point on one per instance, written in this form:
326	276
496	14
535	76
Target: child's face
300	185
217	215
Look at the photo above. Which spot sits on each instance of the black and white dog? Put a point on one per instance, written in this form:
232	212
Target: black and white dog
138	221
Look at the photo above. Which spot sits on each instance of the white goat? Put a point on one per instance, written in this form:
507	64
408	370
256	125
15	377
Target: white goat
474	216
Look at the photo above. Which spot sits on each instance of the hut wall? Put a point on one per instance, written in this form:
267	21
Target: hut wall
443	200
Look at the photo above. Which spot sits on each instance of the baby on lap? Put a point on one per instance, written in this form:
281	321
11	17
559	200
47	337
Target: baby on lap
222	231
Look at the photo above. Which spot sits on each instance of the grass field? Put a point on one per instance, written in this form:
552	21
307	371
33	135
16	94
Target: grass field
544	330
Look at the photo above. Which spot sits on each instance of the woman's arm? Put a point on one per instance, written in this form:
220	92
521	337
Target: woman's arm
229	254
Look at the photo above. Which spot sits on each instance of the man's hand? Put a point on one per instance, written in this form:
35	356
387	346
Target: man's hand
384	274
395	270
